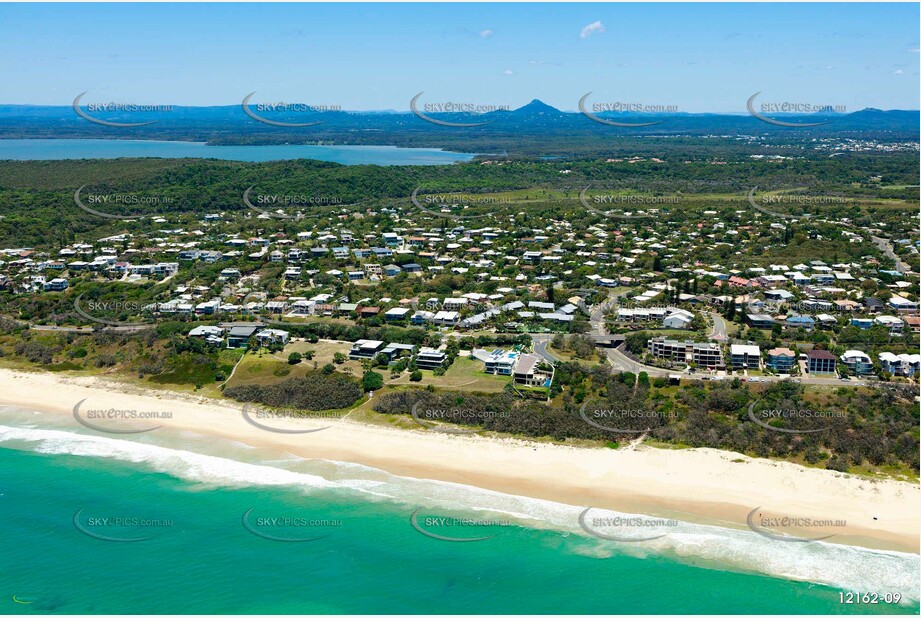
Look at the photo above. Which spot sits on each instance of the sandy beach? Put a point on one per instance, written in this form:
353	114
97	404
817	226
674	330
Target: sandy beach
699	485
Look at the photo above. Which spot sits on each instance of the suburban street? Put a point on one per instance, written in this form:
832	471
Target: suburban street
886	247
540	347
718	332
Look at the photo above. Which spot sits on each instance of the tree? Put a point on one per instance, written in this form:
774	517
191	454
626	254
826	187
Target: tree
294	358
339	358
371	381
637	342
415	376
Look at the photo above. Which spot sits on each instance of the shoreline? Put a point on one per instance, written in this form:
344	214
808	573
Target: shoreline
700	485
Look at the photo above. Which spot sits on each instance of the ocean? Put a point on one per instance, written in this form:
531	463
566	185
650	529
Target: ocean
181	523
55	149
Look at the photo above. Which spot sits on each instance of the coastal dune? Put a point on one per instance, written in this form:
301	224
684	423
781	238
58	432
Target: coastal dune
696	485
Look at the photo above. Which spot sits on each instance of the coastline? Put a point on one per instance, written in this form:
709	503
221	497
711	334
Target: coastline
705	486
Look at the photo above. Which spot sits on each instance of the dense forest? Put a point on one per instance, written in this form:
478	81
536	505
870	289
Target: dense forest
38	207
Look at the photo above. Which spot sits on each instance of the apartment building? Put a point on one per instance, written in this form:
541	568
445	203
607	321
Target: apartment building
707	355
745	356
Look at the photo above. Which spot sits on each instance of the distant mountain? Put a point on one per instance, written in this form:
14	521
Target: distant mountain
537	108
229	124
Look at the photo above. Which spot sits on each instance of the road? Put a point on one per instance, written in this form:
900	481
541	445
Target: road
89	329
718	332
886	246
540	347
596	317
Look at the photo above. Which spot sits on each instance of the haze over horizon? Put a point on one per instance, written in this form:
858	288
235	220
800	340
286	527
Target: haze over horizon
524	107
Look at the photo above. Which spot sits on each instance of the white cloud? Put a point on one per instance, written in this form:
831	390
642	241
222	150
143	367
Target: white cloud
898	72
914	50
508	72
485	34
591	29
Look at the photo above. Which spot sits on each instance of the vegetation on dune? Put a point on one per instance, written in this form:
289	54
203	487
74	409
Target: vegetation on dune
840	430
318	390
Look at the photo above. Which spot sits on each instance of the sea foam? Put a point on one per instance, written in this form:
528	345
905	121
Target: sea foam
846	567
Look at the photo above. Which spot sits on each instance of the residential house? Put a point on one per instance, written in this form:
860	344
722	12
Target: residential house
821	361
781	360
238	336
365	349
497	362
858	362
430	358
270	336
529	373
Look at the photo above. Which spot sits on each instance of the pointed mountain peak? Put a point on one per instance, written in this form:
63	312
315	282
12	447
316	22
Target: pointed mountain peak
536	106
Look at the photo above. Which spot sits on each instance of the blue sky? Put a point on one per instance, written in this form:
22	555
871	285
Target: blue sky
708	57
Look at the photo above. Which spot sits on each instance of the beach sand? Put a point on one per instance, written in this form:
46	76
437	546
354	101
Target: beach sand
697	485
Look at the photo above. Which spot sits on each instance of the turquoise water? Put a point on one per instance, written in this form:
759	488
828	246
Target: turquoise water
53	149
200	558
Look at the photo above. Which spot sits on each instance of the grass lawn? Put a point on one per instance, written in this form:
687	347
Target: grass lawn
265	367
464	374
323	351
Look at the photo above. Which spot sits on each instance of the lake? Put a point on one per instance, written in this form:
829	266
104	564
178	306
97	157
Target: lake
54	149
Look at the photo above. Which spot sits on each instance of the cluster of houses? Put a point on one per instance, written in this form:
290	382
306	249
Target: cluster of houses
780	360
813	295
667	317
425	357
894	324
240	337
444	312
